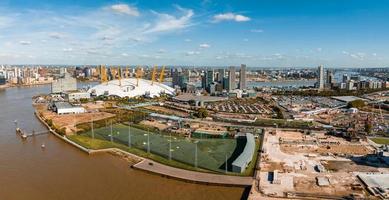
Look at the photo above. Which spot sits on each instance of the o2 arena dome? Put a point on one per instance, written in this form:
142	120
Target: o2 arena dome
128	88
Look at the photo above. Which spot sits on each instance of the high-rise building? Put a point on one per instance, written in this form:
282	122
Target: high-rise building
330	79
67	83
345	78
179	78
220	75
231	79
242	77
3	80
320	84
210	76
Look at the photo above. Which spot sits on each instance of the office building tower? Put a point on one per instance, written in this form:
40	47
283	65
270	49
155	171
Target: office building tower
220	75
242	77
64	84
345	78
330	79
320	84
231	78
180	78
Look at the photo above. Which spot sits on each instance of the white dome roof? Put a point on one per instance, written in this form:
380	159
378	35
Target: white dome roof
128	88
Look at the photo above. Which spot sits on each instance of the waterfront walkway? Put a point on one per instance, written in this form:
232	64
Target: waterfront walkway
192	176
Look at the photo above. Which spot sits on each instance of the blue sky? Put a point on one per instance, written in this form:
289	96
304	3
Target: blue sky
273	33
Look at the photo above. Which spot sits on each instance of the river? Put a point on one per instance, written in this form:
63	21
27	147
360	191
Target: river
61	171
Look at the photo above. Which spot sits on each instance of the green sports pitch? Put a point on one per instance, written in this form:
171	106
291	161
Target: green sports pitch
211	153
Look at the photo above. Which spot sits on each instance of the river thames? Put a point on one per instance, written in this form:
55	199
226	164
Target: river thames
61	171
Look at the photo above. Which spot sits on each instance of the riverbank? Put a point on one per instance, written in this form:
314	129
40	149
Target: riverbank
23	85
163	170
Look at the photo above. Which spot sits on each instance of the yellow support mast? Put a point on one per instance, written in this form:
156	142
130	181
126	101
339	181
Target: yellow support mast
120	76
139	74
162	74
103	74
153	75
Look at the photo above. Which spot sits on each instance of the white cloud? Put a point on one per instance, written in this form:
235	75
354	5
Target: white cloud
67	49
124	54
230	17
125	9
204	46
245	40
188	40
319	49
191	53
161	51
168	23
22	42
56	35
256	30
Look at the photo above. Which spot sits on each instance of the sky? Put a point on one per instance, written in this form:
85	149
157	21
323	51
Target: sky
259	33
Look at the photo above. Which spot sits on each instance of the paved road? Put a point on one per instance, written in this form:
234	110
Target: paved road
192	176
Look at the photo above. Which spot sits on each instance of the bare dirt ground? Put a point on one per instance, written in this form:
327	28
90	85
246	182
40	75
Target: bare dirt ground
155	124
68	121
325	149
297	167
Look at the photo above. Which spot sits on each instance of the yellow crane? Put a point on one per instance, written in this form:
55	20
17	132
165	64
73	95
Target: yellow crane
162	74
153	75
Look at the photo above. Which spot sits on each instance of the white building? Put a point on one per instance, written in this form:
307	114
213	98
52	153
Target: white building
65	84
131	87
66	108
75	96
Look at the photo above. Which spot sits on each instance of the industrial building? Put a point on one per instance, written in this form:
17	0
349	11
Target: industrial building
76	96
62	108
240	164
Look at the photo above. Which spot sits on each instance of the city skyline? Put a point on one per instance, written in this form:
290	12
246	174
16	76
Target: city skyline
257	33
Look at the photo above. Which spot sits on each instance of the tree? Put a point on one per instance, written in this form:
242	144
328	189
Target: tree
368	127
202	113
356	104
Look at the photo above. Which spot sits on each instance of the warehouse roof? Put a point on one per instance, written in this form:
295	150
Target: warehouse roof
247	155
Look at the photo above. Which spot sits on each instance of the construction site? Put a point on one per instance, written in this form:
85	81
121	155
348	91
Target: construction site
300	165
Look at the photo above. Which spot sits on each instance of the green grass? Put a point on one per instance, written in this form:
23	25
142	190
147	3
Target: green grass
380	140
211	152
97	144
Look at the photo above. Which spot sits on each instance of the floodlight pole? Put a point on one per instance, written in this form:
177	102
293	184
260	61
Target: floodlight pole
148	140
196	155
93	132
226	164
111	132
129	136
170	146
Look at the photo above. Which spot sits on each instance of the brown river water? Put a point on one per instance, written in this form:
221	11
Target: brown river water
61	171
